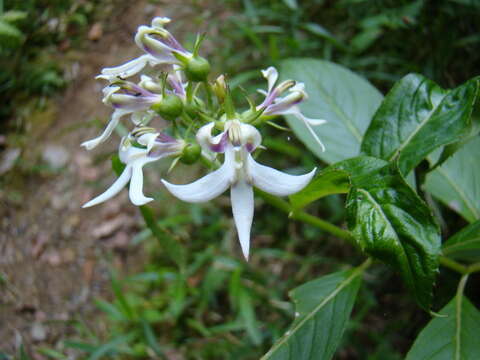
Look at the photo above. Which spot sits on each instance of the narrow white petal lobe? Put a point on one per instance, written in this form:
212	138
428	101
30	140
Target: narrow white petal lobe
136	183
276	182
241	195
113	190
206	188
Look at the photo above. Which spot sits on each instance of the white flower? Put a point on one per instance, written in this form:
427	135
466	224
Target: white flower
126	98
239	172
274	104
157	146
159	45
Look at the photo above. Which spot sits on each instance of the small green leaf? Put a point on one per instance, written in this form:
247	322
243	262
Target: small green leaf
323	307
454	337
52	353
390	222
465	244
113	346
336	94
13	16
327	182
111	310
10	36
417	117
151	339
457	182
169	243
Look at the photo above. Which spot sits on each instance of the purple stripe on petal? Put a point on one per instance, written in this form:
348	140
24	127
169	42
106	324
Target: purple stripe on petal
222	144
164	138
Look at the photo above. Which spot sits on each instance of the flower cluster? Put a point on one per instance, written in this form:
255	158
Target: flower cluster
201	122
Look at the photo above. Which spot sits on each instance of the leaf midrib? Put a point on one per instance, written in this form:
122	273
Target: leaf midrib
459	191
404	253
447	249
346	120
339	288
421	125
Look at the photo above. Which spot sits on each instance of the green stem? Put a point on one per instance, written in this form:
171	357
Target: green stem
345	235
473	268
453	265
306	218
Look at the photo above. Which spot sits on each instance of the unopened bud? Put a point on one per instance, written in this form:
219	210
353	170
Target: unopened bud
197	69
191	153
220	88
170	107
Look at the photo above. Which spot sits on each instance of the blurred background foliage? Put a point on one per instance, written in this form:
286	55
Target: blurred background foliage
213	305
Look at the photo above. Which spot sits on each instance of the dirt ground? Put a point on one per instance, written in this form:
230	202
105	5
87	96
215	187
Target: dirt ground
54	256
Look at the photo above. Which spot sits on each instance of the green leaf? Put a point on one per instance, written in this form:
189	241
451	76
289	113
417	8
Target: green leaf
390	222
151	339
457	182
52	353
323	307
13	16
327	182
454	337
465	244
171	245
113	346
336	94
111	310
10	36
416	117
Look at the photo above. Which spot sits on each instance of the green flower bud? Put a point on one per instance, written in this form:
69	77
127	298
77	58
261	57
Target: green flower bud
169	108
197	69
191	153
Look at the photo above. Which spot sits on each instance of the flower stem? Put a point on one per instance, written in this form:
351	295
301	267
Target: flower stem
344	234
306	218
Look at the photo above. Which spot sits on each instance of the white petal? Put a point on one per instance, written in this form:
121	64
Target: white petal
276	182
241	195
112	124
128	69
206	188
250	135
148	140
204	136
114	189
136	183
271	74
295	111
160	21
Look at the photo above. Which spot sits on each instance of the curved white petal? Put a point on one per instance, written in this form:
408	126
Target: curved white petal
271	74
148	140
114	189
276	182
204	136
241	196
160	21
295	111
136	183
128	69
206	188
250	135
112	124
